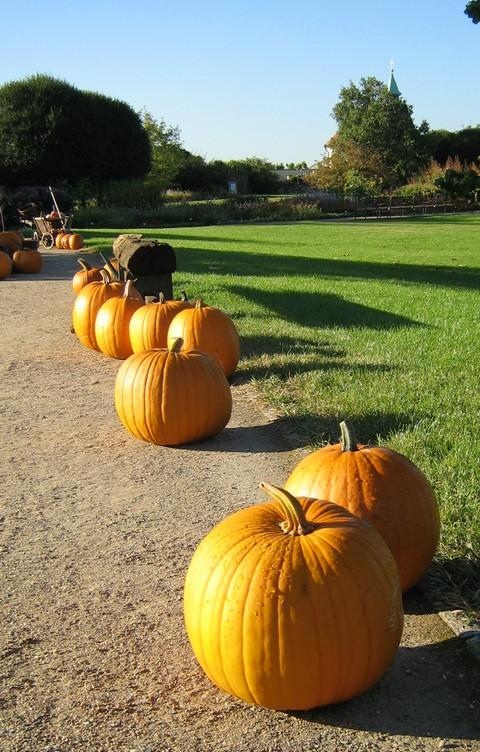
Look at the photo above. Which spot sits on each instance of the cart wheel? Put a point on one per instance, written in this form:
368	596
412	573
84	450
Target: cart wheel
47	240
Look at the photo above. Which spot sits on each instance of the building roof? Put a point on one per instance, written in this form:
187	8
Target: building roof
392	85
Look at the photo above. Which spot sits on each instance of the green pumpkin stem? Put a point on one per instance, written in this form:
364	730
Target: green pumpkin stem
295	522
176	345
348	440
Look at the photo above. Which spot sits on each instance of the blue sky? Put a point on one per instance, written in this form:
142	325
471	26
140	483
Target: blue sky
251	78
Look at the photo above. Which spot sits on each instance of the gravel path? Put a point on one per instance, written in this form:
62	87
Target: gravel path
97	530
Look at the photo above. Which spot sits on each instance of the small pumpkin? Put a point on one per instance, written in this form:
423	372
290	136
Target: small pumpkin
5	265
383	488
171	397
85	275
11	239
209	330
149	325
58	239
65	241
112	321
87	304
75	241
293	604
27	262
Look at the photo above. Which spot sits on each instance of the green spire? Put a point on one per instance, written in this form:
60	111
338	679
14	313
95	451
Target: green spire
392	84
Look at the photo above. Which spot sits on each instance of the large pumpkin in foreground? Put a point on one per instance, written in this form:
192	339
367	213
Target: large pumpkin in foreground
381	487
170	397
293	604
210	330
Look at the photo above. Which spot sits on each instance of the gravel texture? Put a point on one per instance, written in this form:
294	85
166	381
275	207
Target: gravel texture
97	531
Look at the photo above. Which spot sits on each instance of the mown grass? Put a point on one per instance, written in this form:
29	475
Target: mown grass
374	321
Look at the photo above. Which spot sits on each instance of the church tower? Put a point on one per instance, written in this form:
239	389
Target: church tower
392	84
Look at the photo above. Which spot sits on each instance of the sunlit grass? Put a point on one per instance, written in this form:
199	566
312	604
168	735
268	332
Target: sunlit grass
374	321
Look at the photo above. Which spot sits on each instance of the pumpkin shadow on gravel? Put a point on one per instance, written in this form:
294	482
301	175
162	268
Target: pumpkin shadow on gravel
427	692
284	433
419	695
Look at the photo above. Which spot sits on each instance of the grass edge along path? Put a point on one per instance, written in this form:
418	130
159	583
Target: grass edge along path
372	321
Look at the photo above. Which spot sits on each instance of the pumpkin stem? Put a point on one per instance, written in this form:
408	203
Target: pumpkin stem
184	296
295	522
161	298
348	440
106	278
199	303
176	345
128	285
84	264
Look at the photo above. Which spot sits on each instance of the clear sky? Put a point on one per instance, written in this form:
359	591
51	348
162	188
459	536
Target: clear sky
250	77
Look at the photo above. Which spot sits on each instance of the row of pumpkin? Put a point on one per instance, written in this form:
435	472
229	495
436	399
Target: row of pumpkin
297	602
176	354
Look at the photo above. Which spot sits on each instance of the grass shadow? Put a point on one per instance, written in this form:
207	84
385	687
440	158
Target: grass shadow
249	262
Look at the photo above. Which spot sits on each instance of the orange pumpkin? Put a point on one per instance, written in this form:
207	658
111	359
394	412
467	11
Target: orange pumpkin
149	325
293	604
86	275
381	487
75	241
168	397
87	304
5	265
65	241
27	262
112	321
11	239
58	239
209	330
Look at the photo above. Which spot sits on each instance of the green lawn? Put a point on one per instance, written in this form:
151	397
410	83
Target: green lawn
374	321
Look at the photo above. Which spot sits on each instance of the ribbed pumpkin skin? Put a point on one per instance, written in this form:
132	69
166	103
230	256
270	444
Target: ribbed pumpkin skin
27	262
87	304
209	330
85	275
5	265
292	622
75	241
172	398
383	488
149	325
111	326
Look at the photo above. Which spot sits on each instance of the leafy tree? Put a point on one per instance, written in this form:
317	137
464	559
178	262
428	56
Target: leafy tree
472	10
168	155
372	117
51	132
460	183
350	168
464	144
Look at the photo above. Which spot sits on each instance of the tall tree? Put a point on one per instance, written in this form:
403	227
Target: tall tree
51	131
371	116
168	155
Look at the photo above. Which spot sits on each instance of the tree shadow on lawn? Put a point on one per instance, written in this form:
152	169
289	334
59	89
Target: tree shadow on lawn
427	692
321	310
250	263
